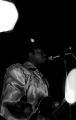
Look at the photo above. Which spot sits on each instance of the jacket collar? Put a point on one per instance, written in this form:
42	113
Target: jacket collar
32	67
29	65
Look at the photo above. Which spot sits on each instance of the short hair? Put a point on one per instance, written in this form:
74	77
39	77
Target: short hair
33	46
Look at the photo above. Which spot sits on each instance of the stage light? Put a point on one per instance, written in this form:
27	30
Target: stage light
32	40
8	16
70	87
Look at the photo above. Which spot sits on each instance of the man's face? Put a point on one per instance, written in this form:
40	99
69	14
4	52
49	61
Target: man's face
39	56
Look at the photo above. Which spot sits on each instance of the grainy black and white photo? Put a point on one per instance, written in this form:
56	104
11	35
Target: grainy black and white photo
37	60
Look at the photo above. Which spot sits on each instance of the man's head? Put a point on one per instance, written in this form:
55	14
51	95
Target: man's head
37	55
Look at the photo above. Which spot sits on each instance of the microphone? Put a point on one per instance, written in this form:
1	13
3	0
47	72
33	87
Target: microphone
50	58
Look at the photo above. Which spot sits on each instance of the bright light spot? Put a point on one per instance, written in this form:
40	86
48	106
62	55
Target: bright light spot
8	16
70	87
32	40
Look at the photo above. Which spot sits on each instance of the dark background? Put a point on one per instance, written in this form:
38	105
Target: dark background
53	25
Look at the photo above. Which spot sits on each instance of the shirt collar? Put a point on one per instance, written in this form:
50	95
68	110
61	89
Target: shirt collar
30	65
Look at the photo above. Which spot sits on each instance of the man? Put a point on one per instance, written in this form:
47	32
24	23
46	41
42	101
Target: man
28	81
37	57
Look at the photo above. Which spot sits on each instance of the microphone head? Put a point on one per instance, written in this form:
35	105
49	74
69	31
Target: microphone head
50	58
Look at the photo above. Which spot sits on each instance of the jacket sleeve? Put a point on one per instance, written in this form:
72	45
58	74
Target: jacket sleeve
13	85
